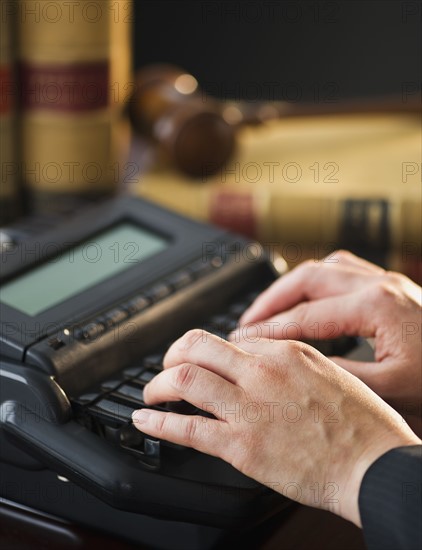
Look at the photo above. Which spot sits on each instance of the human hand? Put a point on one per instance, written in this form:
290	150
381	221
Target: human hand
285	415
346	295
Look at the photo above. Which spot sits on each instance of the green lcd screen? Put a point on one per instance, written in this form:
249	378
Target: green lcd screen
79	268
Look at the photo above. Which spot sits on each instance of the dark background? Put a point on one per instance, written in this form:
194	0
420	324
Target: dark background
298	50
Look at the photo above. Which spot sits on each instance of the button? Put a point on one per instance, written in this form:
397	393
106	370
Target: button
132	372
238	309
111	412
86	398
252	296
144	447
181	407
220	321
91	331
133	391
136	304
158	292
152	447
147	376
7	242
132	397
55	343
180	279
153	360
217	262
110	385
231	325
200	268
114	317
343	345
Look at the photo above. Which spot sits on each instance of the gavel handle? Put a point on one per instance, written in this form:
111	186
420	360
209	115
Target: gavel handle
268	110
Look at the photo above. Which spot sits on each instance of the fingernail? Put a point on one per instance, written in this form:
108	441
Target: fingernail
141	416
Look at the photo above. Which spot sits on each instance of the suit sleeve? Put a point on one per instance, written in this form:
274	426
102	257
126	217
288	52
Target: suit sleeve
390	501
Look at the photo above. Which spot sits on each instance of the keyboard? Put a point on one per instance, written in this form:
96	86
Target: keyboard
107	407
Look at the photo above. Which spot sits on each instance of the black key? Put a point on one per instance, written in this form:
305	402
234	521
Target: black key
111	412
343	345
90	331
252	296
132	372
237	310
86	398
146	376
158	292
181	407
136	305
153	360
132	391
114	317
55	343
219	320
132	398
224	323
110	385
200	268
180	279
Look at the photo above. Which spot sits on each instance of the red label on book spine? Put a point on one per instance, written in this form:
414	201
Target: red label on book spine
7	90
71	88
234	211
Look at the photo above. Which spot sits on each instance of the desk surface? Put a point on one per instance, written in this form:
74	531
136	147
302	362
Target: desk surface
300	529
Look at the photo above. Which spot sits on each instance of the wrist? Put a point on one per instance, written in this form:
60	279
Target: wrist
348	504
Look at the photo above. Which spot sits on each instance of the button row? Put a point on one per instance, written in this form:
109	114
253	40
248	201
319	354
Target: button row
155	293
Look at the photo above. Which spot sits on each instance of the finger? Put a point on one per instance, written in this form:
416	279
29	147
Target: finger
322	319
344	257
309	281
204	434
206	350
193	384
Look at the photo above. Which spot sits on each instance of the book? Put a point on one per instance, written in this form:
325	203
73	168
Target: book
320	183
9	182
75	76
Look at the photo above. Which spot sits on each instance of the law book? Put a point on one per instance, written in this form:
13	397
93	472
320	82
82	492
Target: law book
315	184
9	183
75	76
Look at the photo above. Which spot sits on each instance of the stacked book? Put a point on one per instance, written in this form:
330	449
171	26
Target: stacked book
74	77
310	185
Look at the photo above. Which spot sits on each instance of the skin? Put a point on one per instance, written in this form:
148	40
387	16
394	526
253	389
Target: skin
346	295
286	415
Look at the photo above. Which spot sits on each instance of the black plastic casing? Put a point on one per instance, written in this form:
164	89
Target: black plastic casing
38	432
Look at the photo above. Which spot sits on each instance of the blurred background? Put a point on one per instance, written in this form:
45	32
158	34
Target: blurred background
295	123
365	49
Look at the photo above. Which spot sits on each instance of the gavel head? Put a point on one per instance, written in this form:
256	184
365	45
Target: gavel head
188	127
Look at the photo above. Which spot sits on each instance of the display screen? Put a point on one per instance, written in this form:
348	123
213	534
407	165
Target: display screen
81	267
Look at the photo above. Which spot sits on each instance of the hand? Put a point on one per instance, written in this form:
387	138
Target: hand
285	415
346	295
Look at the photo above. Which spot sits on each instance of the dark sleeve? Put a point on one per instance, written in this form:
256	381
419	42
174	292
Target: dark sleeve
390	501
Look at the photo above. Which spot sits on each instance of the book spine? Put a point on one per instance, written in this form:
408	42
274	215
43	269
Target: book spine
75	74
9	191
371	223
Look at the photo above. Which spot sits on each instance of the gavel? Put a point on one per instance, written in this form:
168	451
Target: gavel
169	109
197	133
